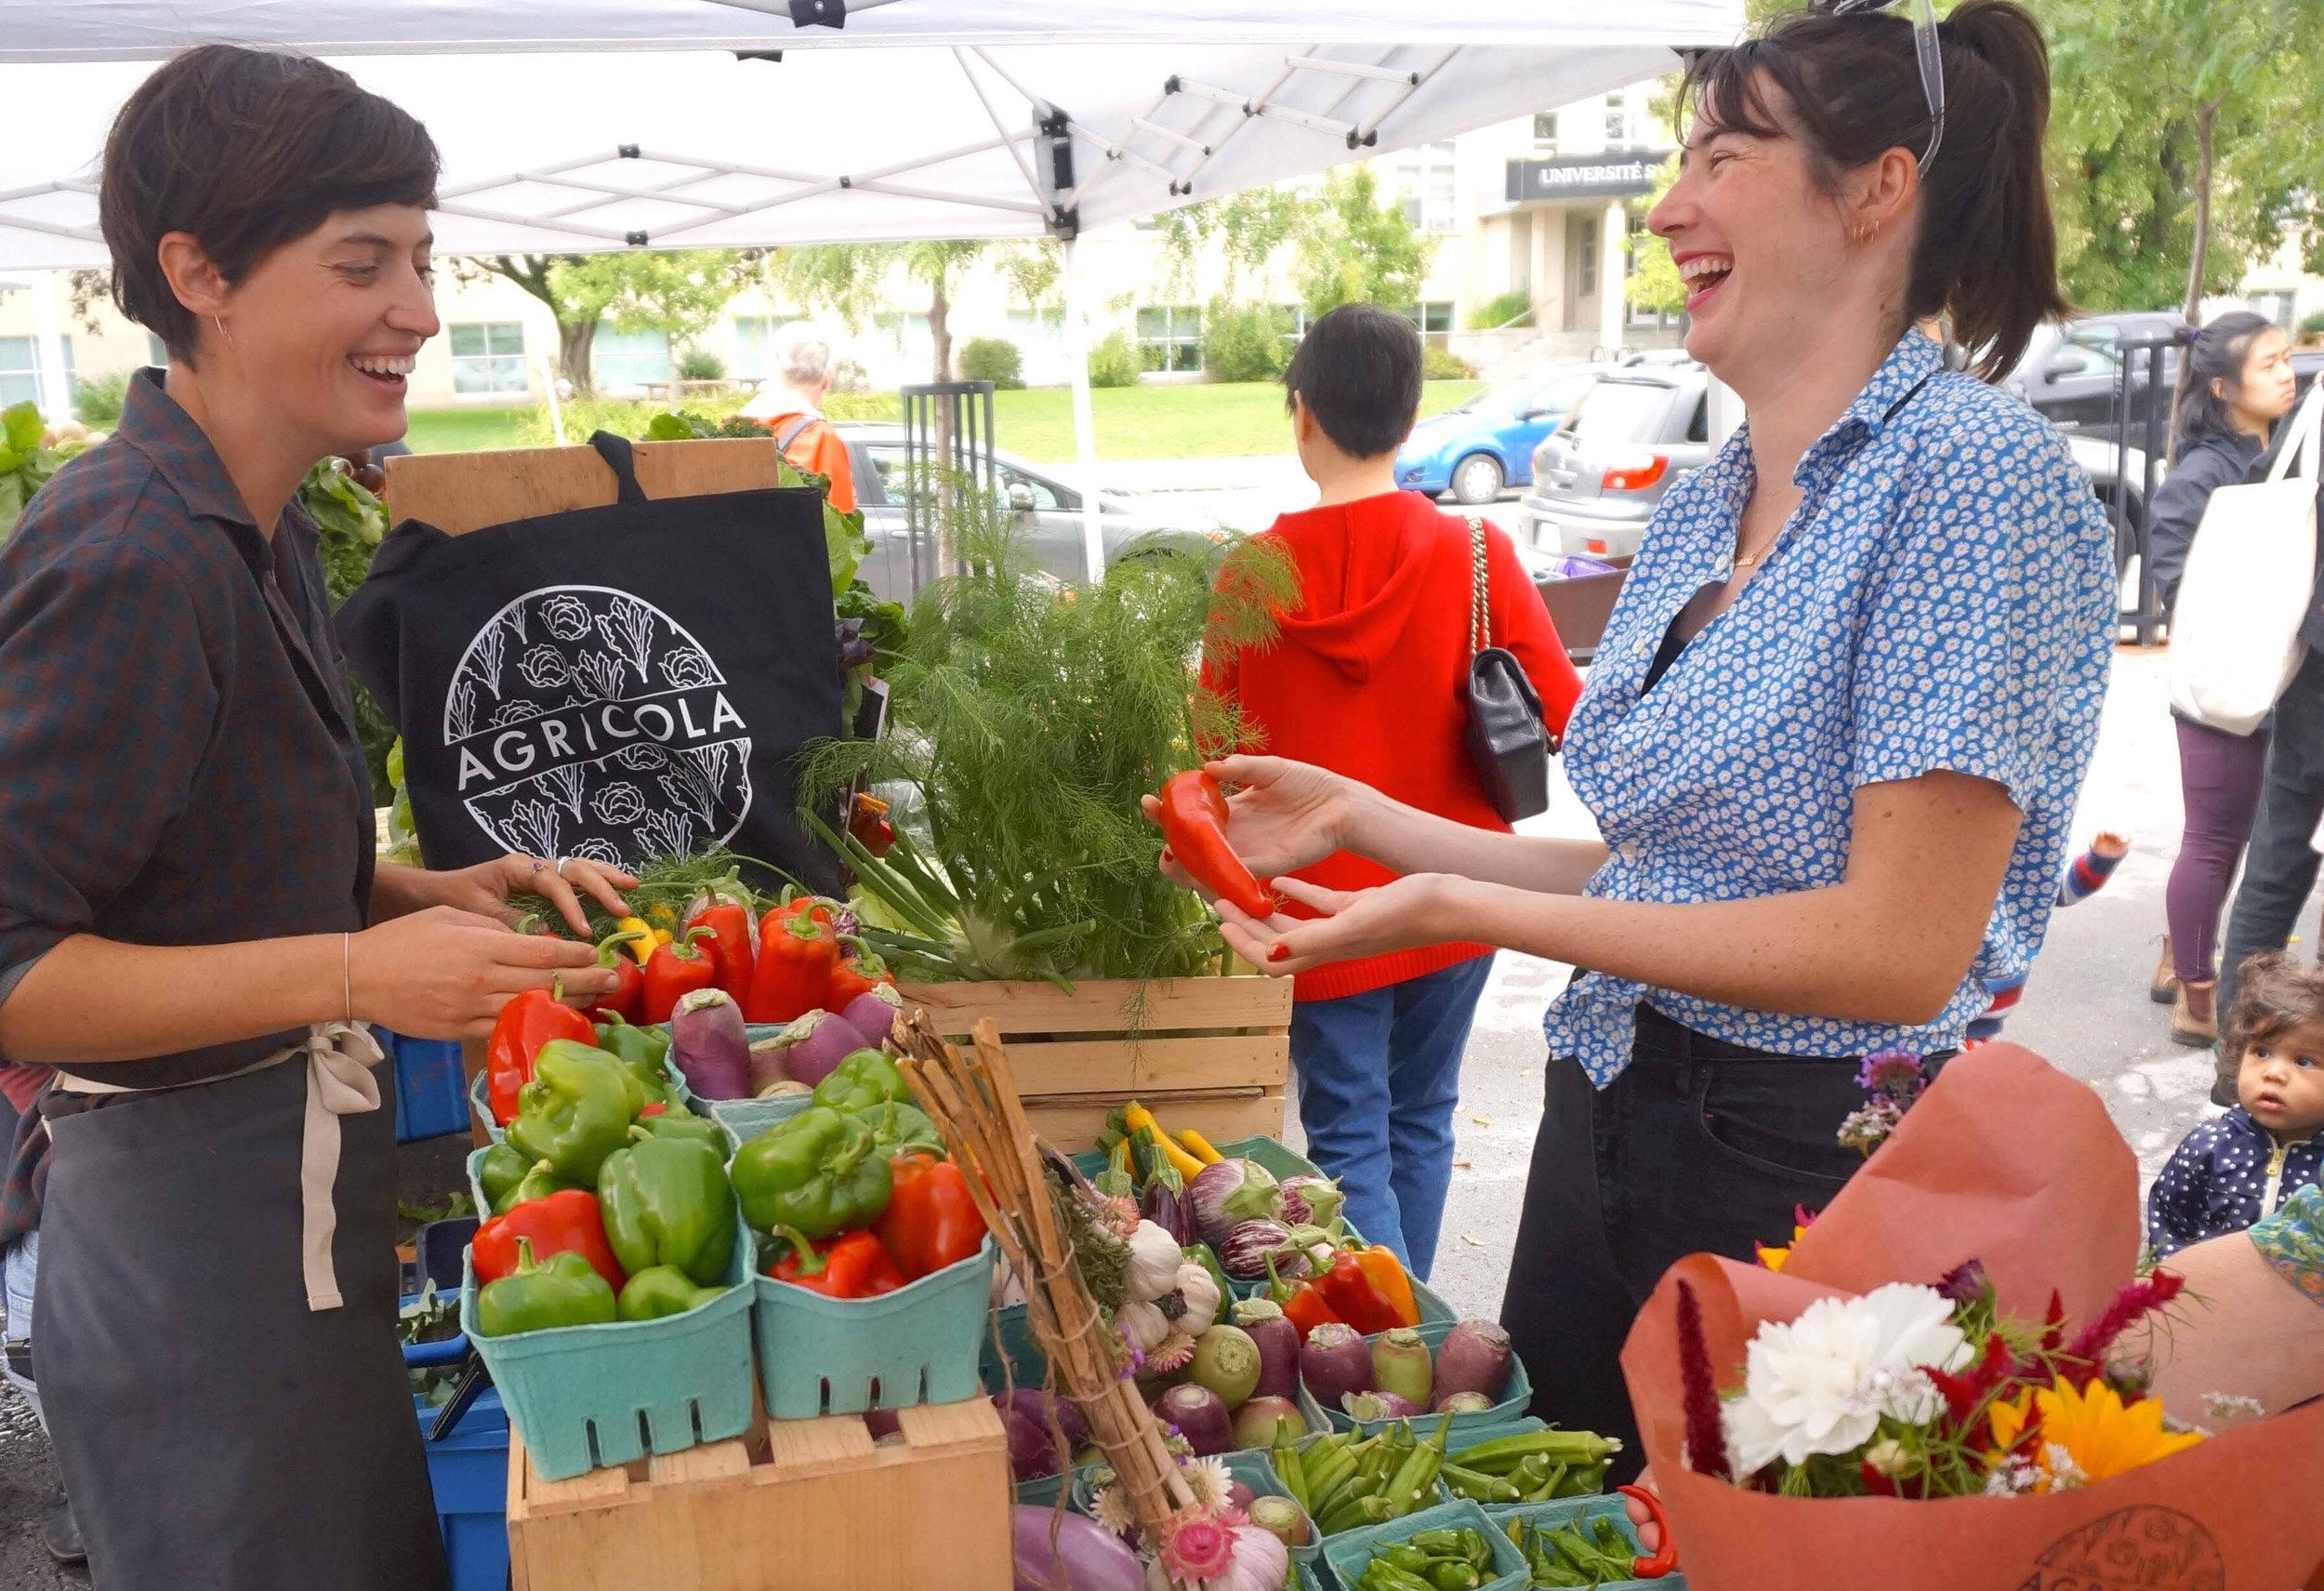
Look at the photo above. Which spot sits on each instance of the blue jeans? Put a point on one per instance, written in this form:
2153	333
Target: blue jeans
1379	1076
18	1268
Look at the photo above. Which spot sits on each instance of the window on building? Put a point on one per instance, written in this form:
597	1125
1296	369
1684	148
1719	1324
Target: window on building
488	356
1620	120
1545	132
1030	325
627	360
1586	263
1170	336
1426	184
1433	319
20	370
754	344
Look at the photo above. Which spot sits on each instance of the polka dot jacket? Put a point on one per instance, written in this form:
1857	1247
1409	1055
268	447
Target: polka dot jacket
2224	1177
1943	598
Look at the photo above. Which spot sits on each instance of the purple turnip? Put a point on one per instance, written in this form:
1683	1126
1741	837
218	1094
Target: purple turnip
1400	1365
1200	1416
1334	1361
1057	1549
708	1045
1473	1357
1243	1255
1463	1403
1039	1409
1241	1497
1227	1360
1257	1421
1278	1343
1229	1192
1366	1408
873	1013
809	1049
1033	1453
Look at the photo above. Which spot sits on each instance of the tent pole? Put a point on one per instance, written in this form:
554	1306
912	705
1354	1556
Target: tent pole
56	388
1085	426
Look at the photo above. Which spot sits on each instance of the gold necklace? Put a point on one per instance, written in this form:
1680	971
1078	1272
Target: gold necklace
1750	560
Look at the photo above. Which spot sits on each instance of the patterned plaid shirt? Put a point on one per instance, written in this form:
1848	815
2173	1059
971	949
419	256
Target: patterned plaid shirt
182	768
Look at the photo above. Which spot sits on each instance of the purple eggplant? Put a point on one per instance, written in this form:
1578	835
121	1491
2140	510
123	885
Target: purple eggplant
810	1049
1279	1343
709	1046
1243	1255
1311	1201
1229	1192
1040	1408
1334	1362
1168	1211
1057	1549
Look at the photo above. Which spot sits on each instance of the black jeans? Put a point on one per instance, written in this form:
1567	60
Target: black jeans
2280	867
1699	1145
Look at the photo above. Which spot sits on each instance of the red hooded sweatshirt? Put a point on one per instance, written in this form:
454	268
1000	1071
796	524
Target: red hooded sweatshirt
1368	679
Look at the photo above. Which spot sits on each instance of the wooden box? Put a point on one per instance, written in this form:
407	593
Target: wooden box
794	1505
1212	1054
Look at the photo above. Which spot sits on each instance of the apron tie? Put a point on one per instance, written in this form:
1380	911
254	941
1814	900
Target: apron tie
339	1083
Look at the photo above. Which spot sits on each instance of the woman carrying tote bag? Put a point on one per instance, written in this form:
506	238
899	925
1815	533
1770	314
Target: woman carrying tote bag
2232	635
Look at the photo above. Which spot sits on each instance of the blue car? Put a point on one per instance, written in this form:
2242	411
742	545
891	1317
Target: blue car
1486	444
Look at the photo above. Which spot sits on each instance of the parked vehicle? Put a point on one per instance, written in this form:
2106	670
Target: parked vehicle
1486	444
1048	511
2071	370
1598	476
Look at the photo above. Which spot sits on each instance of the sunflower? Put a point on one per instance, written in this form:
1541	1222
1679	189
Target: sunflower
1773	1258
2087	1436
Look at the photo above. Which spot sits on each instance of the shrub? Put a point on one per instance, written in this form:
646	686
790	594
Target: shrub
994	359
849	376
1115	362
1443	364
1244	342
2312	328
1501	311
863	405
96	400
700	365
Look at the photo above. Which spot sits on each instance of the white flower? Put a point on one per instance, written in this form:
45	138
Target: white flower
1823	1383
1206	1479
2065	1474
2226	1406
1112	1508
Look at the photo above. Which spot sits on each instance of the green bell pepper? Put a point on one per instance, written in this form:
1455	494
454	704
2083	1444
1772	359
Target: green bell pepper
576	1110
896	1126
499	1174
683	1126
862	1079
539	1181
666	1202
818	1172
644	1051
564	1290
662	1289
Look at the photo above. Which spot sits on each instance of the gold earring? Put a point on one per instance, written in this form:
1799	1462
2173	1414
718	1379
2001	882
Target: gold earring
219	322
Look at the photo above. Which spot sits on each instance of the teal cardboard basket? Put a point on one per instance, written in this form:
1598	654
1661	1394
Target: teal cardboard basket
1349	1553
1009	1354
1515	1397
587	1397
480	1106
841	1356
745	1119
1463	1440
1583	1510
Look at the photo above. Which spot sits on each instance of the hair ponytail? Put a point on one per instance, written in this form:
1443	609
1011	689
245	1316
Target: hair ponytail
1984	255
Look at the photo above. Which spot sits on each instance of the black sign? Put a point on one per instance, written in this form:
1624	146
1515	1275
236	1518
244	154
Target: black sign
1582	176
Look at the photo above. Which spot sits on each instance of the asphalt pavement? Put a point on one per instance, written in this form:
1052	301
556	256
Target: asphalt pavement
2085	1010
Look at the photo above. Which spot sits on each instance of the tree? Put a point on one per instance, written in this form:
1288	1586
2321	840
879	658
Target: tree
1350	248
850	279
677	291
1654	283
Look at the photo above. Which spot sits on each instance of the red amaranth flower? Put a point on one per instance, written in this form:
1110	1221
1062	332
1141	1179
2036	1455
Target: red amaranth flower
1965	1392
2053	1323
2088	1351
1706	1437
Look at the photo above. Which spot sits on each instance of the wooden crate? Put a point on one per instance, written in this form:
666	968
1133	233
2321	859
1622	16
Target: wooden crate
1212	1054
794	1505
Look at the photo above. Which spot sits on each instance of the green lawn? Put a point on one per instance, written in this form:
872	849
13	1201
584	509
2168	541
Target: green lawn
1205	421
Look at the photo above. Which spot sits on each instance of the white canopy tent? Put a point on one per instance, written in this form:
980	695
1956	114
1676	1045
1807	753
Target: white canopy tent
570	126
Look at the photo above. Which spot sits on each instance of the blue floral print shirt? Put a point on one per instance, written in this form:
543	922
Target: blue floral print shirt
1943	598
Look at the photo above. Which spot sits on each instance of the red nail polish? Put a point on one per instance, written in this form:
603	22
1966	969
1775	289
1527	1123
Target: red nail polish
1278	952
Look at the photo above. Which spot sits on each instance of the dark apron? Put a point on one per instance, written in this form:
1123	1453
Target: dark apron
215	1433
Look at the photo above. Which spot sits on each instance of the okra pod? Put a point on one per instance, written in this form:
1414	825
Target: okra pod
1288	1466
1574	1447
1548	1487
1478	1487
1353	1515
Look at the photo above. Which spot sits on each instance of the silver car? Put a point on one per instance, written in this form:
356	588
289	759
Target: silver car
1597	477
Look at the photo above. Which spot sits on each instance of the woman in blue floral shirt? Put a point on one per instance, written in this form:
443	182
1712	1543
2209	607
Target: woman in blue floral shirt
1837	723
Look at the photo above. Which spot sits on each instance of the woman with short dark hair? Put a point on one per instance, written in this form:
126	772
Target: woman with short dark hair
194	929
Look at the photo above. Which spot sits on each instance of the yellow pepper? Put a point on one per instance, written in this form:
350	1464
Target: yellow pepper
644	938
1199	1147
1136	1117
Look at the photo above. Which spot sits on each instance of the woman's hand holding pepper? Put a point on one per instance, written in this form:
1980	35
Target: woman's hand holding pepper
444	973
1286	816
487	887
1415	909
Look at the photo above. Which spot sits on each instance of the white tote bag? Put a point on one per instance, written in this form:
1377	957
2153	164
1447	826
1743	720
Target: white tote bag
2235	634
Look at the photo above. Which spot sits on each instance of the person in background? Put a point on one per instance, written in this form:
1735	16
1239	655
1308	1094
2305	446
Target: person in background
19	1268
2238	385
1365	678
2234	1170
2085	876
792	410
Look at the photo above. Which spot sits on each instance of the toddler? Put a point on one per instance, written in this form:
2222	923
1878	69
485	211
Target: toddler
2232	1172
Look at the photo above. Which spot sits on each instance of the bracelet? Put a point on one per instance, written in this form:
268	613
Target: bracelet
347	971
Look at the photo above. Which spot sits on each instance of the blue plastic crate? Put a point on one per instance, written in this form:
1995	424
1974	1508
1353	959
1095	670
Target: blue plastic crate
430	1090
468	1471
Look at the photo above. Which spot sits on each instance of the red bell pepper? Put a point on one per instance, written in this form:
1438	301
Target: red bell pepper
860	973
930	1221
850	1265
559	1223
627	1003
728	945
1301	1303
868	823
677	968
1353	1298
525	1024
1194	827
798	951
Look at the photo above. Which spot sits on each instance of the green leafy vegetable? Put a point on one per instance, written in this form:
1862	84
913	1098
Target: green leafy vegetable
352	522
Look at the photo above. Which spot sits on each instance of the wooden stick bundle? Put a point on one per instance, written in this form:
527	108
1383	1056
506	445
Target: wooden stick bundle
972	1100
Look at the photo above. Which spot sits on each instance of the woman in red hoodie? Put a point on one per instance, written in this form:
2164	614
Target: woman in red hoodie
1365	678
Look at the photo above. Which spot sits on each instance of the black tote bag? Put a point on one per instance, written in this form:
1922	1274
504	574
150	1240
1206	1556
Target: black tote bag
610	683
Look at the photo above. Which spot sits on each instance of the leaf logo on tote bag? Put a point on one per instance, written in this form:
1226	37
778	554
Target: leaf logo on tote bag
586	722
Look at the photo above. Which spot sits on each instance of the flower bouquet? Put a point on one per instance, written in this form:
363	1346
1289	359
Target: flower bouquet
1933	1391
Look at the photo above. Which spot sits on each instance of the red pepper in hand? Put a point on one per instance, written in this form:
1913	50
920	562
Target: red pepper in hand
798	952
525	1024
627	1003
728	945
677	968
1666	1557
1353	1298
930	1221
860	974
850	1265
1194	827
557	1223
